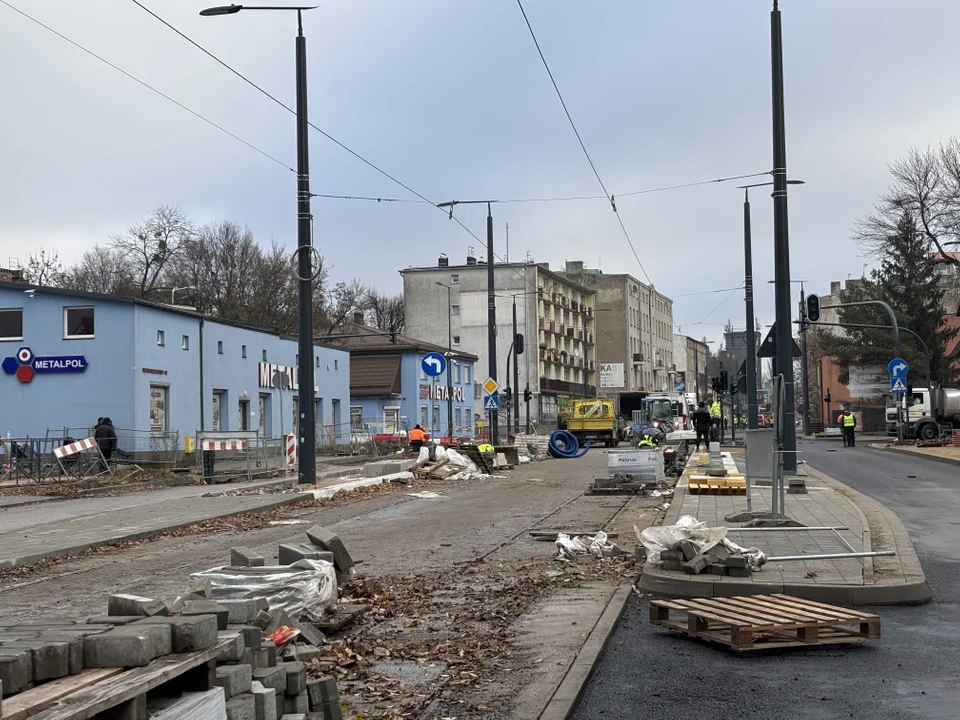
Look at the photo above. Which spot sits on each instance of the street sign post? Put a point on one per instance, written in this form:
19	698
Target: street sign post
490	386
898	385
433	364
898	368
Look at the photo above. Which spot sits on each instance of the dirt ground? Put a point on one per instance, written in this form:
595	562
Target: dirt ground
446	581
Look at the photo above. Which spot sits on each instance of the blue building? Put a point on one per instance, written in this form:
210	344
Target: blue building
391	393
69	357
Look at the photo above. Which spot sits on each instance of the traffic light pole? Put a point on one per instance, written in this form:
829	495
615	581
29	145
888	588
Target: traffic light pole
517	349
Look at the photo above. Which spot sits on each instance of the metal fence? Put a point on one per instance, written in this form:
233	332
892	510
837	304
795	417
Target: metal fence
29	460
138	447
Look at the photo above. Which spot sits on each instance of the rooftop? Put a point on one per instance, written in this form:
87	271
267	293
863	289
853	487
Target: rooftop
362	339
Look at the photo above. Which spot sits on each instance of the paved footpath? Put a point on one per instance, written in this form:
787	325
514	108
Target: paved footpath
859	581
55	529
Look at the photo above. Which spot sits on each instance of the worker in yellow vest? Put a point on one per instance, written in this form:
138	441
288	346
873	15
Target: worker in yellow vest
849	422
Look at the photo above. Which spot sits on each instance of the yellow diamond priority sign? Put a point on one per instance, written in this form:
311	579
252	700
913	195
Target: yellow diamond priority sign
490	386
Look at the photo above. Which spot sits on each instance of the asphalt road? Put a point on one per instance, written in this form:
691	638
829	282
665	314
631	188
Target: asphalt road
649	672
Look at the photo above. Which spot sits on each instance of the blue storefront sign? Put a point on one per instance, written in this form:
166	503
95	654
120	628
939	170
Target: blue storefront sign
25	365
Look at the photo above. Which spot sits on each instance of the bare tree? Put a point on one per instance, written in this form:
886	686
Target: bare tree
149	246
44	268
385	312
927	185
101	270
341	302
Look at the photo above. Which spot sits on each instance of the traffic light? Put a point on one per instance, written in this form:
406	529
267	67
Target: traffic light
506	396
813	308
518	343
724	382
827	398
527	395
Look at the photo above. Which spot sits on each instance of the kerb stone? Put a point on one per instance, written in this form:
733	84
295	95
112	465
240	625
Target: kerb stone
328	540
127	646
265	700
242	556
234	679
208	607
16	669
121	604
188	633
271	677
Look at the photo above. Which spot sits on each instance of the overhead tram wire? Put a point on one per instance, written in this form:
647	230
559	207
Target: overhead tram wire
146	85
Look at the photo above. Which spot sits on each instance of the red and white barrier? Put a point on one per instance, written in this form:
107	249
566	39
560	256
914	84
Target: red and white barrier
74	447
291	450
224	445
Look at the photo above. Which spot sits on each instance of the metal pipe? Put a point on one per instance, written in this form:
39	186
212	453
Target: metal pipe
831	556
784	529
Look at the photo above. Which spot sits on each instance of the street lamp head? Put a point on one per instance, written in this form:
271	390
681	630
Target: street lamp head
221	10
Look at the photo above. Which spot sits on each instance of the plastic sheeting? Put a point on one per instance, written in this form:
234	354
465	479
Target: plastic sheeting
305	587
569	547
207	705
668	537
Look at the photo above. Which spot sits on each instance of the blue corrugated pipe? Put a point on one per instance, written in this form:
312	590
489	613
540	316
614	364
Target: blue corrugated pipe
564	444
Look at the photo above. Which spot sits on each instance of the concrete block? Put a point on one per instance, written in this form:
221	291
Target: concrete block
188	633
177	605
715	569
262	604
672	555
735	562
720	552
278	617
688	549
271	649
237	651
322	690
41	624
328	540
695	566
112	619
331	711
50	659
234	679
122	604
289	554
246	557
262	620
74	649
265	700
127	646
250	657
200	586
208	607
16	669
296	677
240	611
311	633
293	704
271	677
306	653
252	635
739	571
672	566
262	658
242	707
293	716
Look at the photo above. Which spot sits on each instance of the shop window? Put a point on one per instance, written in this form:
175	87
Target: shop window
77	322
11	324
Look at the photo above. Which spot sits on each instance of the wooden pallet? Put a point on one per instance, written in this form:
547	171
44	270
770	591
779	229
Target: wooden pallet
759	622
698	489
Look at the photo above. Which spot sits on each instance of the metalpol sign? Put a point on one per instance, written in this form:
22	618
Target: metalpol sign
25	365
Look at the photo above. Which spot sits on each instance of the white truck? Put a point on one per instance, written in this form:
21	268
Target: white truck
928	412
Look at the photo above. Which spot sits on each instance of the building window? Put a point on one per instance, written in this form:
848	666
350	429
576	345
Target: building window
161	338
243	351
336	364
356	417
455	279
219	347
318	361
466	374
184	342
263	355
77	322
296	360
455	309
11	324
457	420
456	372
456	339
423	416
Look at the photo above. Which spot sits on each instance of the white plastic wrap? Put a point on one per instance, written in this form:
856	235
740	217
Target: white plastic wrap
668	537
754	556
207	705
570	547
306	586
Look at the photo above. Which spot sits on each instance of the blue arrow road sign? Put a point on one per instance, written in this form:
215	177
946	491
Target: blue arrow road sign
491	402
898	368
433	364
898	384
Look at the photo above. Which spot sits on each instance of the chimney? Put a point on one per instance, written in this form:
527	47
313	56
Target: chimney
443	262
471	258
574	266
358	318
835	288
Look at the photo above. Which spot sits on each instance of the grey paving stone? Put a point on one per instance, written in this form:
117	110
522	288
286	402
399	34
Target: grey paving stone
123	604
329	540
296	677
240	611
50	659
271	677
112	619
287	554
127	646
266	701
208	607
242	707
251	635
237	651
293	704
246	557
322	690
188	633
74	649
16	668
234	679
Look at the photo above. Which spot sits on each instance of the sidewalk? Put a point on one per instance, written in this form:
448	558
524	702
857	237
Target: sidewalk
828	503
78	525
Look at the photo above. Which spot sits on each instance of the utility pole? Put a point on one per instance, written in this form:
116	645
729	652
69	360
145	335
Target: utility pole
517	349
803	362
751	382
781	244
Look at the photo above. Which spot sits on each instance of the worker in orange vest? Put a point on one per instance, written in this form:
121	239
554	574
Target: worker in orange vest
416	438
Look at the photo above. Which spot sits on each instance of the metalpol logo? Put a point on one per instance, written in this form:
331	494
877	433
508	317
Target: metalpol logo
25	364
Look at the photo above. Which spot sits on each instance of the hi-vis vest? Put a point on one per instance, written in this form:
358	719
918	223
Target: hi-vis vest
715	410
849	420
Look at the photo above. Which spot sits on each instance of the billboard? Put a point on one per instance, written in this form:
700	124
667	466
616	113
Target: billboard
868	381
611	375
680	382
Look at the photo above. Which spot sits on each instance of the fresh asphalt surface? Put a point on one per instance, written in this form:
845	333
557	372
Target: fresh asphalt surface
913	672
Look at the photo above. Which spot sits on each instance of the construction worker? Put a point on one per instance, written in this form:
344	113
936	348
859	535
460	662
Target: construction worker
416	438
701	423
715	419
849	422
650	438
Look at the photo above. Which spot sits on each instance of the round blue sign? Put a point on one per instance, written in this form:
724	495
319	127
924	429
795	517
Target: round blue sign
433	364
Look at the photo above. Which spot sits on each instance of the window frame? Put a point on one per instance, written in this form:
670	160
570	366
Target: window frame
219	347
185	343
67	309
243	352
161	338
13	338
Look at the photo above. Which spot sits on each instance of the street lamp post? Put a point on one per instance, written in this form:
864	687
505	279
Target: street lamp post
307	445
804	368
449	362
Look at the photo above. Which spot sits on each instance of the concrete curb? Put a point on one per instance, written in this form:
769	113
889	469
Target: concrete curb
921	456
332	490
565	697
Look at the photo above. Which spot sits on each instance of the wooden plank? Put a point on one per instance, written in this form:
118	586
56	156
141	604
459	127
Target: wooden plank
31	702
769	607
129	685
822	616
762	615
706	608
854	614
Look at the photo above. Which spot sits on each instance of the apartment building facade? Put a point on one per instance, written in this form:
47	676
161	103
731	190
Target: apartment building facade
555	316
634	328
690	356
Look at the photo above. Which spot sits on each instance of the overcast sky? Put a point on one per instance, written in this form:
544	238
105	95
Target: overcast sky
450	97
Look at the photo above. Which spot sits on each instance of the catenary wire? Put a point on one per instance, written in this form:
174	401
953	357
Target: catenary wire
147	85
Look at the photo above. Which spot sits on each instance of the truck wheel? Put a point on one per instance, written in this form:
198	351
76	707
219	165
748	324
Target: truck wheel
928	431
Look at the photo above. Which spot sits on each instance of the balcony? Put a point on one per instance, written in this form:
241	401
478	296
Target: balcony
590	311
579	334
569	332
637	358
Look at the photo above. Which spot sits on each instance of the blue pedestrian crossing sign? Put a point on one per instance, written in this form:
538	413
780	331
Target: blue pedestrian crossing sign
491	402
898	384
898	368
433	364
